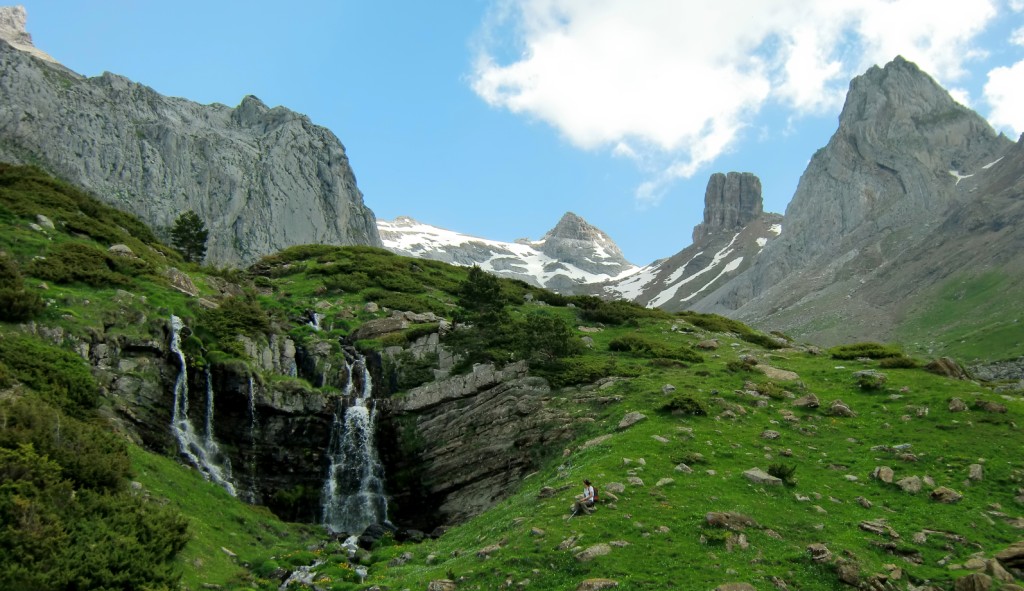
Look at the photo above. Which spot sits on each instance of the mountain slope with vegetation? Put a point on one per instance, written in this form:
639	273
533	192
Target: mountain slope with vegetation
889	476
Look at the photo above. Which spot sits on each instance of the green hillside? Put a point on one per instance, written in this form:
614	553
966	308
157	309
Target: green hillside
677	512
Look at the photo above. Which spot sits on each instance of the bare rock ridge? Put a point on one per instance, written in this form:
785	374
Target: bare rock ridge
905	160
262	179
12	30
730	239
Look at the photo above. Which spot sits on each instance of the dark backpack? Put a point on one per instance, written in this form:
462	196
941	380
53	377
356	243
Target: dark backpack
595	493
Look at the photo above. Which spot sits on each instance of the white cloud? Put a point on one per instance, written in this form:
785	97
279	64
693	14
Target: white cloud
1017	37
1004	91
1017	5
679	82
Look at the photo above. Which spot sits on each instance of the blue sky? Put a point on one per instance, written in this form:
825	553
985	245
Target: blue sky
495	117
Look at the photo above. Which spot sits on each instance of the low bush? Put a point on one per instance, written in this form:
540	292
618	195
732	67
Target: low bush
236	315
716	323
644	347
57	375
685	404
73	262
901	362
867	350
784	472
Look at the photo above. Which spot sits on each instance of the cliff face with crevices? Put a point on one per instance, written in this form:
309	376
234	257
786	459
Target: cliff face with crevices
261	178
869	228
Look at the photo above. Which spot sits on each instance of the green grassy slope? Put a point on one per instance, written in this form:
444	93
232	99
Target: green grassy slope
697	403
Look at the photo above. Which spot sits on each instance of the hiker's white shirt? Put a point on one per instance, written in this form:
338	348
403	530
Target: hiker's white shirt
588	494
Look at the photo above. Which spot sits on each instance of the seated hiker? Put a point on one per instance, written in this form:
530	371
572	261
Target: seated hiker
585	501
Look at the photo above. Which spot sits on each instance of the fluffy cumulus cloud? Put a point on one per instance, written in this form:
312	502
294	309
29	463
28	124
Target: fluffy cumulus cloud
1004	91
674	84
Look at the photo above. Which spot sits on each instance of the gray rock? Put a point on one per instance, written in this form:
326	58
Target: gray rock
946	495
759	476
976	472
261	179
593	552
631	419
973	582
883	473
807	401
957	405
910	484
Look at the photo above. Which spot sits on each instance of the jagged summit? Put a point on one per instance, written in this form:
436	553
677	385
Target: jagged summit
12	30
731	201
730	239
575	241
905	159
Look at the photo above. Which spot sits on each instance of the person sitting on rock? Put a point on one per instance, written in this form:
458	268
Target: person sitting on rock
585	502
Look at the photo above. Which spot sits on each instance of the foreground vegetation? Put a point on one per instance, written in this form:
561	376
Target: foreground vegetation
82	507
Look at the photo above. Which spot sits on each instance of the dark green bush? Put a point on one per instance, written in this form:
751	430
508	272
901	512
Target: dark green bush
72	262
573	371
347	282
740	365
58	375
645	347
236	315
406	302
784	472
868	350
89	456
616	312
716	323
685	404
18	305
901	362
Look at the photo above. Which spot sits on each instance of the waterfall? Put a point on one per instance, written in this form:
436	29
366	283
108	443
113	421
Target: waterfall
202	452
353	492
253	497
314	320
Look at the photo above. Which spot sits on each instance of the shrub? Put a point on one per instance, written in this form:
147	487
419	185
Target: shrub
901	362
17	305
869	350
784	472
772	390
644	347
870	380
716	323
58	375
685	404
572	371
617	312
236	315
740	365
72	262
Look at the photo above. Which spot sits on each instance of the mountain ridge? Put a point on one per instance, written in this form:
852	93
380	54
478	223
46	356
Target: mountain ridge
261	178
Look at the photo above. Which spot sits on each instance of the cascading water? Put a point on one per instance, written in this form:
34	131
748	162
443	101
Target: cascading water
202	451
253	497
353	493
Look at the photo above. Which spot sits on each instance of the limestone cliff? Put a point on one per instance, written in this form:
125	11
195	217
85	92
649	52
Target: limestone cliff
905	159
261	178
730	240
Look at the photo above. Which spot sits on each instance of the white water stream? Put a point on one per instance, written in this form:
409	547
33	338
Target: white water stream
201	450
353	492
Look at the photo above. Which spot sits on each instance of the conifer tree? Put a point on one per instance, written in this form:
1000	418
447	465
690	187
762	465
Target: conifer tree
188	236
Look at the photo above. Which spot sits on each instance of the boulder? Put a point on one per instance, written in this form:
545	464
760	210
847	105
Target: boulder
819	553
121	250
838	408
759	476
1012	557
957	405
946	495
973	582
631	419
807	401
883	473
946	366
593	552
976	472
181	281
735	587
442	585
910	484
729	520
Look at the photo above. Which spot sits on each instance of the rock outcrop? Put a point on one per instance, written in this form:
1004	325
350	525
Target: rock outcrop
906	169
468	440
731	238
261	178
731	201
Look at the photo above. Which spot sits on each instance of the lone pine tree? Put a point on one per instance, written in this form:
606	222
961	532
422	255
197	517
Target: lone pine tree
188	236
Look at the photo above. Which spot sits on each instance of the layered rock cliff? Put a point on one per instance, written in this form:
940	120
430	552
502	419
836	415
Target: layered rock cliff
905	157
731	238
262	179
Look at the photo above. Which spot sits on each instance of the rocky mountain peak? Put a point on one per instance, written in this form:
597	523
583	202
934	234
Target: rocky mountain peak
12	30
731	201
575	241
